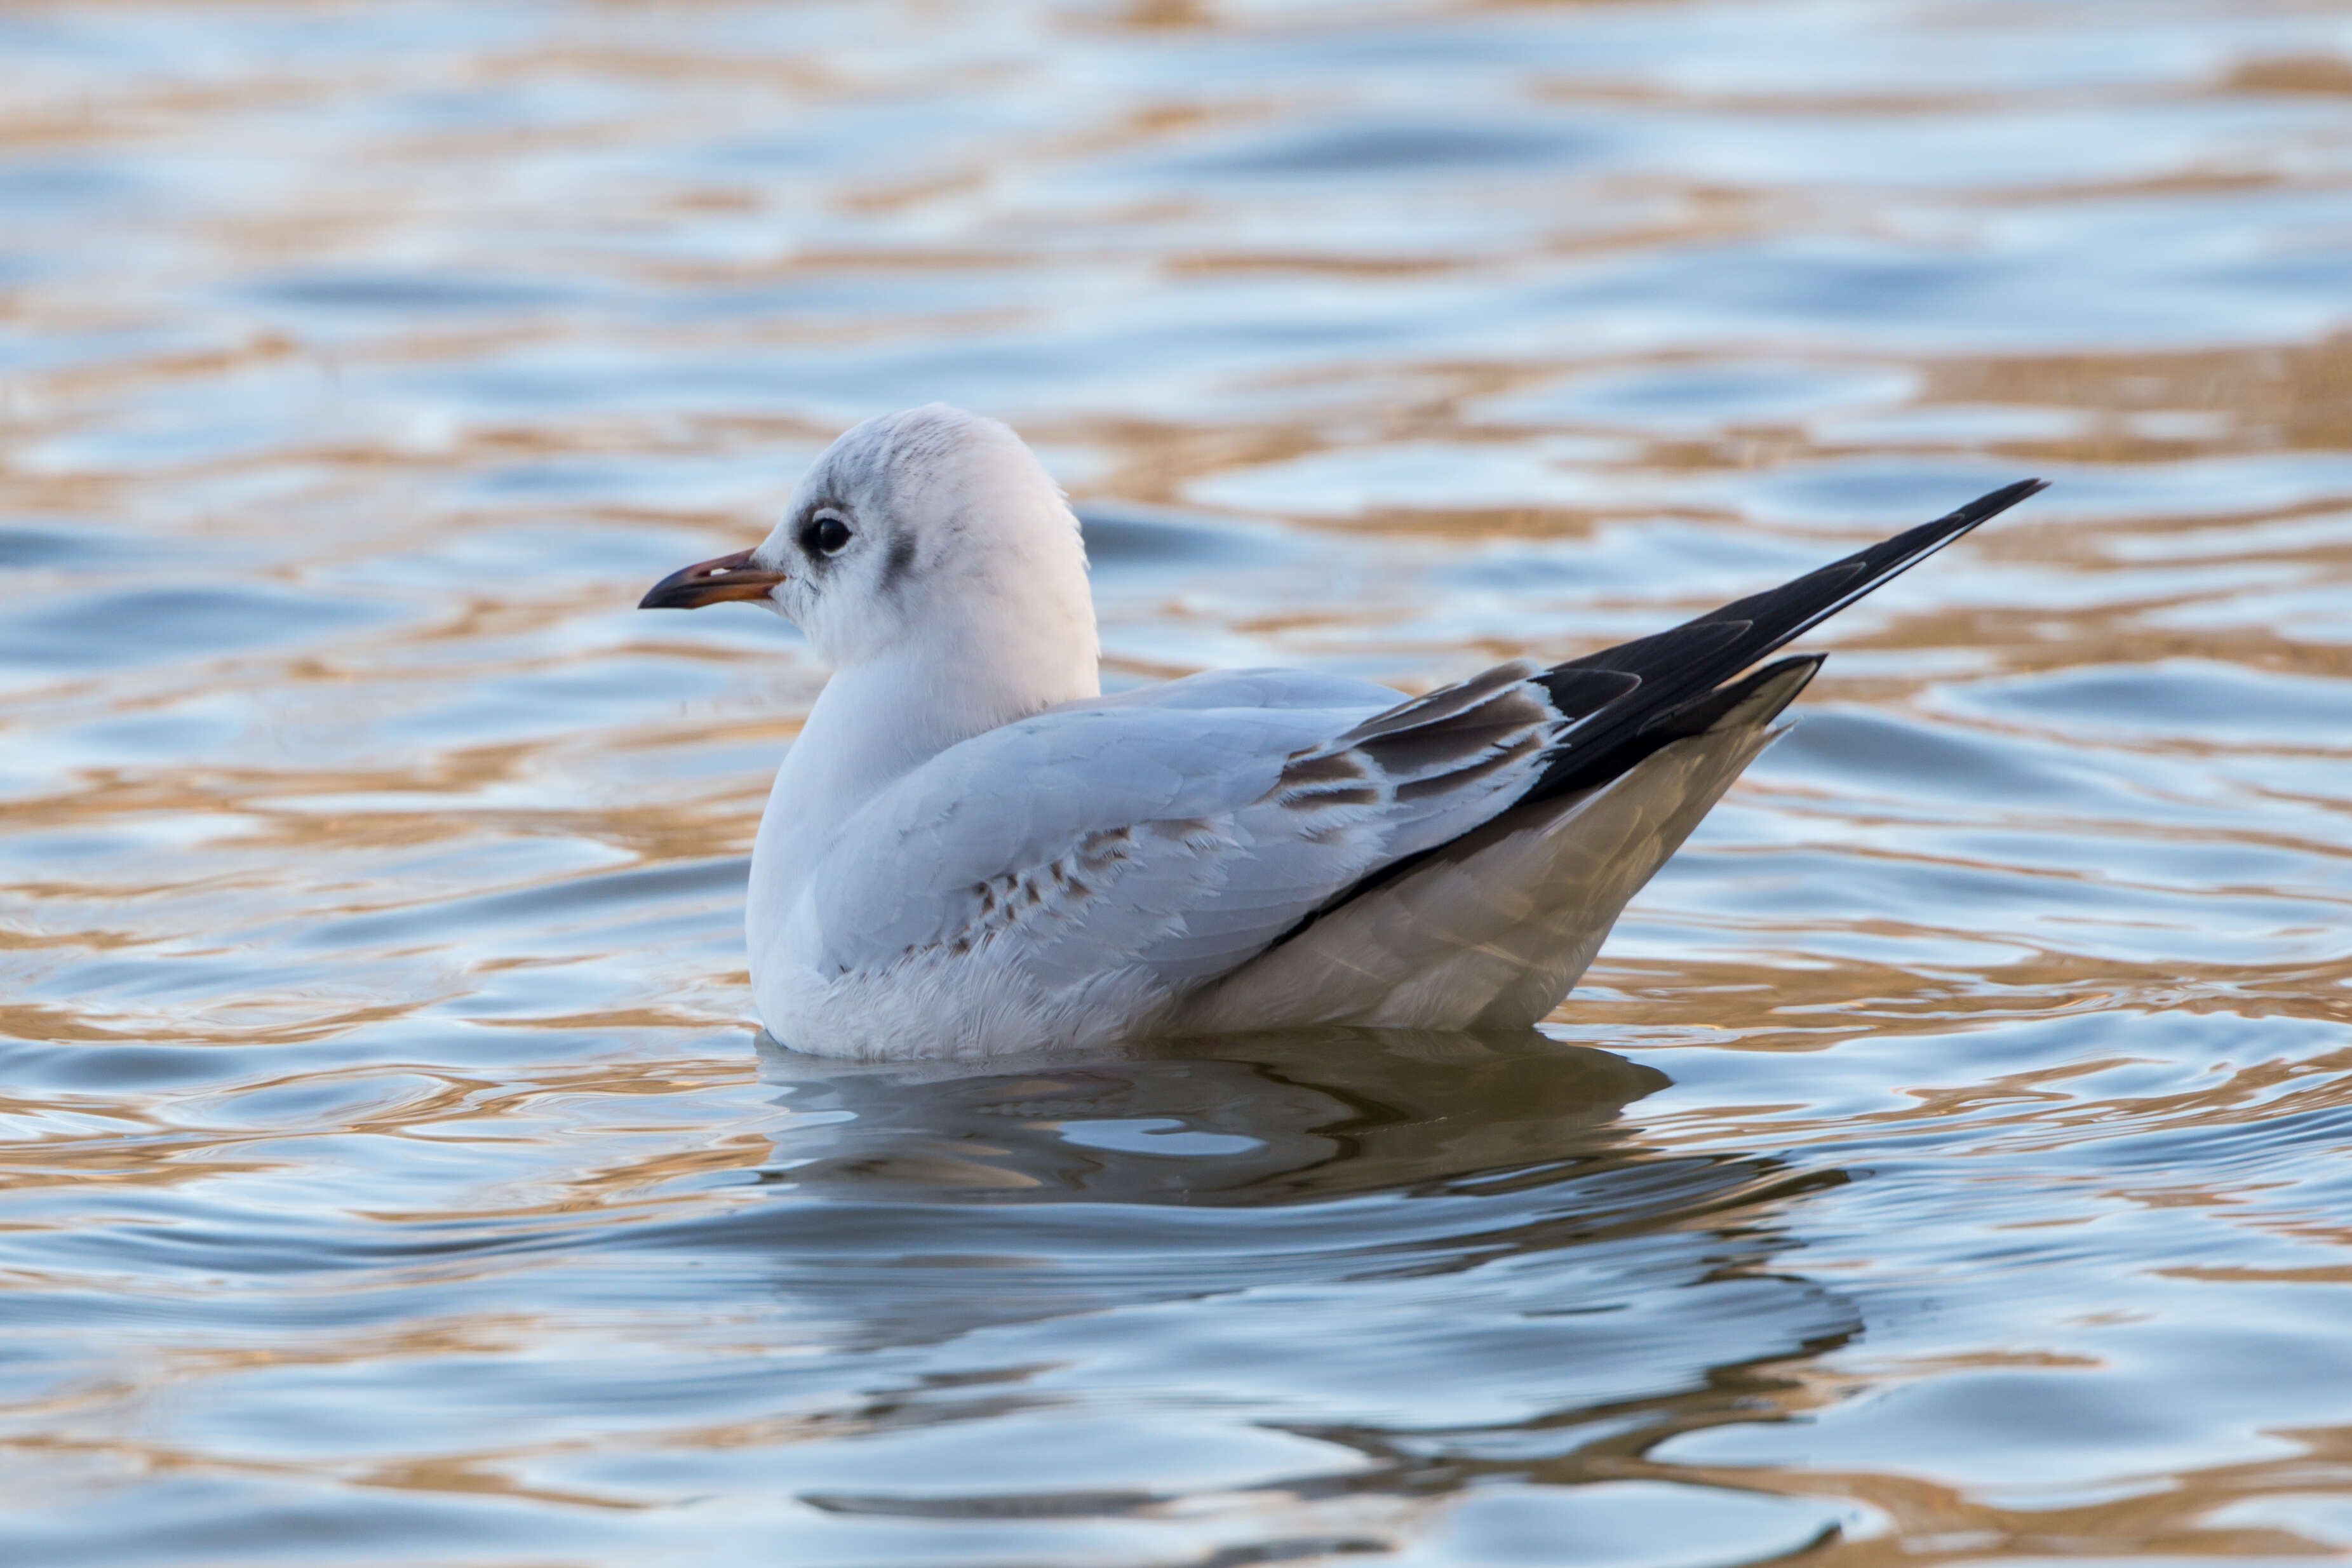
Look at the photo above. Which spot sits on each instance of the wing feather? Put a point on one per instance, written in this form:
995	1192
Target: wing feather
1178	839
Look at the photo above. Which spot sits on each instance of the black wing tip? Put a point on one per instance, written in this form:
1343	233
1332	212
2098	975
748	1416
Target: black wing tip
1684	668
1786	680
1883	563
1995	502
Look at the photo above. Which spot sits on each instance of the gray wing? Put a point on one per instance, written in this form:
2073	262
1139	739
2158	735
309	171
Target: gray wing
1180	829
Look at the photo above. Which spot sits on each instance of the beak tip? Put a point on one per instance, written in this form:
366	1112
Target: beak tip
710	582
676	591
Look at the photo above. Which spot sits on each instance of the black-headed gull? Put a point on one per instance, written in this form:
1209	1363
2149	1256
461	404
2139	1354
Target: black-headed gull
971	851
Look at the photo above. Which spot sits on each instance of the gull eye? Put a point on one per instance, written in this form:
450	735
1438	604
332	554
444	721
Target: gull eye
824	535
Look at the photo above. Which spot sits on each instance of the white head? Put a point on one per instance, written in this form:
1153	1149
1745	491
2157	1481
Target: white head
931	537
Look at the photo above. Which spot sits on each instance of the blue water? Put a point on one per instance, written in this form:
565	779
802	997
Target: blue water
1946	1161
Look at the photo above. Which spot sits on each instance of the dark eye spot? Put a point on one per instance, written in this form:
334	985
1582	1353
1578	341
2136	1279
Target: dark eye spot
824	535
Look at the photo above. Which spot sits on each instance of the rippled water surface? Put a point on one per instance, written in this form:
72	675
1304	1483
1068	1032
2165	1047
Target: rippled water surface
1947	1160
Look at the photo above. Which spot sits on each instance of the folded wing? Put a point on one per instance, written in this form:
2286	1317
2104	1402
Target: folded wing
1173	837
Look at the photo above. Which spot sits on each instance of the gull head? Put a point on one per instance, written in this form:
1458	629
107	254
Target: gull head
934	530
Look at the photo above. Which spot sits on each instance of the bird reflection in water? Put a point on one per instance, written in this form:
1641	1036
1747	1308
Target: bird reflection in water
1518	1283
1243	1121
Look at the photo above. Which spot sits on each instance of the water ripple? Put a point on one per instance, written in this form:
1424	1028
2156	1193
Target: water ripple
1943	1162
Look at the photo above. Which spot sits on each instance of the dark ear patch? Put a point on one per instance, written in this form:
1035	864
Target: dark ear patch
897	563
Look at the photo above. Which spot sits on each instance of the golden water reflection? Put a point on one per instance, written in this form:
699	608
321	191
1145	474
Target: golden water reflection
1942	1163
